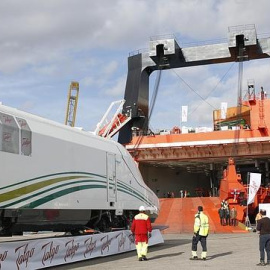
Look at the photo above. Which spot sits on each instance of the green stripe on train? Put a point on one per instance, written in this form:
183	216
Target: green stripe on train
33	187
48	190
40	185
78	174
71	190
74	189
59	194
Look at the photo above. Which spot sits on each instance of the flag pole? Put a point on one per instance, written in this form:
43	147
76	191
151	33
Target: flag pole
181	121
247	222
184	113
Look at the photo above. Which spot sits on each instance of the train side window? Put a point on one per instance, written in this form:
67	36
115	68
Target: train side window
26	137
9	134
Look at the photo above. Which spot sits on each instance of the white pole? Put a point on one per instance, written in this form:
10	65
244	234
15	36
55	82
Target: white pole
247	218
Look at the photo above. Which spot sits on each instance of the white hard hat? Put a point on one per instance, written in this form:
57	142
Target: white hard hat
142	208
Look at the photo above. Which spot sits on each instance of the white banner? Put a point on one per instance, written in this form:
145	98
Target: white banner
223	110
184	113
254	185
48	252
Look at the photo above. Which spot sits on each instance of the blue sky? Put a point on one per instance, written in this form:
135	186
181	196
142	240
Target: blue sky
46	44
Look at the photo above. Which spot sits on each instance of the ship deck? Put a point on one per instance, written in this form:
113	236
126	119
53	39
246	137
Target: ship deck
244	145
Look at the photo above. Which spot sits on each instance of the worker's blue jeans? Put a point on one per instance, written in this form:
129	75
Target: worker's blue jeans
264	247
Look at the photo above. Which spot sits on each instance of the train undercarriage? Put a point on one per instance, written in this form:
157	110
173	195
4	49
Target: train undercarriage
76	222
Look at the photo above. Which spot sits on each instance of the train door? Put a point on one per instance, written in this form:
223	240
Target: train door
111	179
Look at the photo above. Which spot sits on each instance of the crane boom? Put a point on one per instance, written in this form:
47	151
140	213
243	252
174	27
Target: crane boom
73	95
110	123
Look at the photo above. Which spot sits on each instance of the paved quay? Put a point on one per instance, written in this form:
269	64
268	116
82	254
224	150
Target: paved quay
225	251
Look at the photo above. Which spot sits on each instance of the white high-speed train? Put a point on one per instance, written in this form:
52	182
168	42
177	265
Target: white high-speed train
55	177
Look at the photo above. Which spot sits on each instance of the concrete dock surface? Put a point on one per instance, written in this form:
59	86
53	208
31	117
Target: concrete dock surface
225	251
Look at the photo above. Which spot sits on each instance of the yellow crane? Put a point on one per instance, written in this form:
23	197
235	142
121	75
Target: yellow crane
73	95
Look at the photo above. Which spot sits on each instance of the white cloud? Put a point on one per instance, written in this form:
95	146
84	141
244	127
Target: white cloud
118	90
46	44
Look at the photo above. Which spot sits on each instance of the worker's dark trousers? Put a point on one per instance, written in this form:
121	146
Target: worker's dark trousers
265	246
196	239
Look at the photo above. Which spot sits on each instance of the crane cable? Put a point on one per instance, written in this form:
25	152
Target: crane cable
155	93
204	99
151	108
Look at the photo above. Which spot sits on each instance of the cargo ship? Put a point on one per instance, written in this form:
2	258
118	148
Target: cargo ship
194	161
214	162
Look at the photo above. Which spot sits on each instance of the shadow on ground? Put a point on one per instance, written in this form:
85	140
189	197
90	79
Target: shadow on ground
100	260
219	255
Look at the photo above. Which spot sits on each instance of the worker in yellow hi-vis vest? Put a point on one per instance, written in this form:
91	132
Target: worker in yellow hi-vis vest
201	230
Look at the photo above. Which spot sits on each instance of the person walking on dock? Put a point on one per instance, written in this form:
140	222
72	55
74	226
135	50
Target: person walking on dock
221	213
233	216
224	204
263	227
201	230
141	227
227	216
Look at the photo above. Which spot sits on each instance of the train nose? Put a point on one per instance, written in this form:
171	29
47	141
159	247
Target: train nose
152	209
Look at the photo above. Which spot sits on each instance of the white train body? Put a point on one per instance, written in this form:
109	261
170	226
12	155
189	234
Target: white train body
54	176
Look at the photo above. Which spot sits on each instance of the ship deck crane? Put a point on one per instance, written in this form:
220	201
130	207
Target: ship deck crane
72	104
166	53
111	123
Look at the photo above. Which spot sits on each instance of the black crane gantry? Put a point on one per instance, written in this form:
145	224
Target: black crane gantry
167	54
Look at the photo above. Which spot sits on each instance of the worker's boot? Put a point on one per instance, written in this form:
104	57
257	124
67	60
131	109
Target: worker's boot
194	255
261	263
203	255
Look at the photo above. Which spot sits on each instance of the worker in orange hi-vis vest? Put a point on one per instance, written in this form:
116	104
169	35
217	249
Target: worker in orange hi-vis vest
141	228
